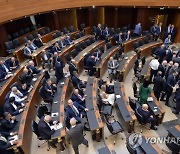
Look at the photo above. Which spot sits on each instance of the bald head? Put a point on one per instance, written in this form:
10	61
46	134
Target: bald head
73	121
14	89
145	107
76	91
47	118
70	102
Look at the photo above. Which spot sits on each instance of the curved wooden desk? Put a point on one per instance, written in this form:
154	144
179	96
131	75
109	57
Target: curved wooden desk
102	63
90	49
6	87
93	116
123	106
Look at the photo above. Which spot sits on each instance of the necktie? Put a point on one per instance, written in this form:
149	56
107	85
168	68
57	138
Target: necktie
113	63
80	97
75	110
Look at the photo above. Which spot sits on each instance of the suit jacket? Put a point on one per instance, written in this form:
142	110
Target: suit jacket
167	31
145	114
70	113
27	51
2	76
32	46
97	55
161	53
6	125
105	33
98	31
137	29
167	42
59	70
34	69
61	43
4	146
56	49
44	130
173	32
3	69
119	38
8	107
126	37
38	42
72	68
48	56
26	78
11	64
158	30
49	87
68	41
76	81
158	84
77	99
110	64
90	62
75	134
169	56
153	30
171	81
162	69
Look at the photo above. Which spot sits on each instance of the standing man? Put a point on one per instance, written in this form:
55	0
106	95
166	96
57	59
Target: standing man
159	30
153	32
75	134
167	41
59	65
99	32
167	31
154	64
138	30
173	33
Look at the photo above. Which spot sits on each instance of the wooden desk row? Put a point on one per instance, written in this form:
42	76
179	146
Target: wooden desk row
122	103
64	89
93	116
90	49
101	65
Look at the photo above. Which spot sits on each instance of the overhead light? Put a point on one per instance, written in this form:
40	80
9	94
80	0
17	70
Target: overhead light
161	8
179	7
116	8
39	13
93	6
134	6
168	7
149	7
80	8
11	20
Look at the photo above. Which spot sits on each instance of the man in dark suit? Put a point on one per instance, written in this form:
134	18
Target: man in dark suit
49	89
127	36
163	67
26	76
158	85
8	122
119	39
137	30
13	107
68	40
91	62
46	58
76	81
4	68
54	59
159	30
3	76
62	43
177	99
12	63
99	32
38	41
27	51
97	55
56	48
59	65
31	45
153	32
106	34
32	67
75	110
145	113
173	32
169	55
169	86
167	31
72	67
75	135
161	53
77	97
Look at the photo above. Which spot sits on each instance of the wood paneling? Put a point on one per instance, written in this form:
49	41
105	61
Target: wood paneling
97	15
10	9
82	17
109	16
3	38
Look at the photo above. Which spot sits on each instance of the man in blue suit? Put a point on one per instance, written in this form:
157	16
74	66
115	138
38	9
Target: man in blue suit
153	32
98	32
167	41
76	97
106	33
167	31
4	68
75	110
68	40
138	30
159	30
161	53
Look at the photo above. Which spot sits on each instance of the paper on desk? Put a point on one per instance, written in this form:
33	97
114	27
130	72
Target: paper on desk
150	99
125	58
84	54
118	96
56	127
62	83
34	79
55	102
54	114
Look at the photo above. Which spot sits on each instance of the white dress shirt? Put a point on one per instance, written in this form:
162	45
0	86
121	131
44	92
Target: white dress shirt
17	97
154	64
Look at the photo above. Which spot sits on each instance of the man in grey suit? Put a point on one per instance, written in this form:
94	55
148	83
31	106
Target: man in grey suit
27	51
112	68
75	134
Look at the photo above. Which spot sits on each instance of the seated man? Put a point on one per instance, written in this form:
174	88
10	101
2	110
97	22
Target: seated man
77	97
13	63
38	41
45	130
72	67
153	32
77	83
13	107
119	38
24	89
32	67
56	48
19	98
138	30
49	89
75	110
68	40
127	36
4	76
27	51
46	58
91	62
97	55
62	43
5	144
147	117
4	68
112	68
27	76
8	122
31	46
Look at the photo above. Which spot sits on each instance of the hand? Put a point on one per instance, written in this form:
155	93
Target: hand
151	116
15	142
86	109
13	117
22	104
14	133
67	129
25	97
21	110
54	122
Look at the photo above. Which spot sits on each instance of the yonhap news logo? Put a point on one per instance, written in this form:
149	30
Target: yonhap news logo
136	140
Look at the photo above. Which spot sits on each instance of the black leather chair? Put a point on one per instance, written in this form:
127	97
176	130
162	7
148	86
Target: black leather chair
135	91
9	47
146	40
9	37
108	45
27	30
78	36
132	103
21	32
101	48
35	130
135	45
92	39
33	27
25	39
94	30
35	34
141	42
30	37
78	47
74	53
67	57
64	30
124	29
47	30
42	110
118	30
58	33
82	26
83	45
113	126
54	35
16	43
71	29
15	35
42	32
111	31
38	25
82	34
145	32
88	42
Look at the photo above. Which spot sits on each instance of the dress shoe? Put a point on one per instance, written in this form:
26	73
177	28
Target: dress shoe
162	99
154	128
175	112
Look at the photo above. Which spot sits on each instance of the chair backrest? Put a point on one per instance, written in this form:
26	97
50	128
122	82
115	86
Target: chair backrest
35	34
92	39
141	42
9	37
38	25
33	27
41	111
74	53
83	45
108	45
136	45
25	39
21	32
41	92
9	45
65	31
16	42
132	103
34	127
47	30
94	29
143	60
82	34
54	35
58	33
77	47
42	32
88	42
30	37
146	40
111	31
101	48
139	117
78	36
124	29
67	57
27	30
118	30
134	88
145	32
15	35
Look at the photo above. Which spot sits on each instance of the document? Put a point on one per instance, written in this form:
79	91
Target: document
118	96
150	99
56	127
34	79
54	114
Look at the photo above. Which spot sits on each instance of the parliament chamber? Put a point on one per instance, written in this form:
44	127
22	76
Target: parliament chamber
102	73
